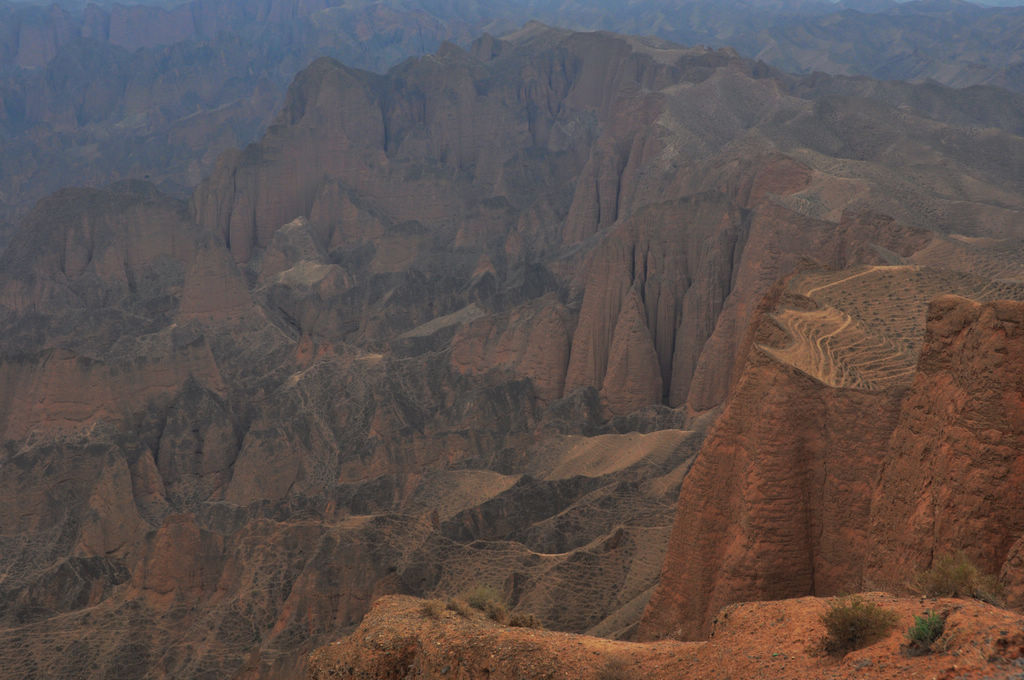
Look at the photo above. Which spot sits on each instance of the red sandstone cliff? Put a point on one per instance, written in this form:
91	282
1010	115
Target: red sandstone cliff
953	478
805	488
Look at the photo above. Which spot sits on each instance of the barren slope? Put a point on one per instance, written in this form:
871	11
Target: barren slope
754	640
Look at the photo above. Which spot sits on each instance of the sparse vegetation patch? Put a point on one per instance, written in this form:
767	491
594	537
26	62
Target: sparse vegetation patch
479	596
615	668
524	620
926	630
489	601
853	623
433	609
460	607
955	575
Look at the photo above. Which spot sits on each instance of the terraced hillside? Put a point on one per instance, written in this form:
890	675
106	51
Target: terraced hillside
999	259
863	328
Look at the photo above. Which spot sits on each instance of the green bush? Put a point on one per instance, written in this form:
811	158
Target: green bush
852	623
955	575
926	630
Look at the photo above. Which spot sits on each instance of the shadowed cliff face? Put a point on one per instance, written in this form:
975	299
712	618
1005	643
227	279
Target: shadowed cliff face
955	474
461	323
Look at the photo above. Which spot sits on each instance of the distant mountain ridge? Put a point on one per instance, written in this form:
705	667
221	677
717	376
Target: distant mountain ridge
104	92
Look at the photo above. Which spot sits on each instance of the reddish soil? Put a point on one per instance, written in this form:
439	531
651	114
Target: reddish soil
771	640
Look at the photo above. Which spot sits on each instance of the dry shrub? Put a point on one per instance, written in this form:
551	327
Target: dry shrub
480	596
852	623
497	611
616	668
433	609
489	601
524	620
460	607
955	575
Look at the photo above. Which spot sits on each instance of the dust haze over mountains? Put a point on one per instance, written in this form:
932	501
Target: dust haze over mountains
312	302
97	93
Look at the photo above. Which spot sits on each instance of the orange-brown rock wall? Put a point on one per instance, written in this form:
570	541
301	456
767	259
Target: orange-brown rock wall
801	488
953	478
777	503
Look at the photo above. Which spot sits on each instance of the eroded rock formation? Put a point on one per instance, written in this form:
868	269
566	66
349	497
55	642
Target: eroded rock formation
807	485
954	473
468	322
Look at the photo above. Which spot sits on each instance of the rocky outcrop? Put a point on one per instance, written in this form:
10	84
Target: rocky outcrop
422	144
1012	573
180	559
176	80
207	429
531	342
954	476
803	488
633	378
381	163
613	193
777	503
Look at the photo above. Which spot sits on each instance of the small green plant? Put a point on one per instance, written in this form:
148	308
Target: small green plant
926	630
433	609
955	575
851	623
